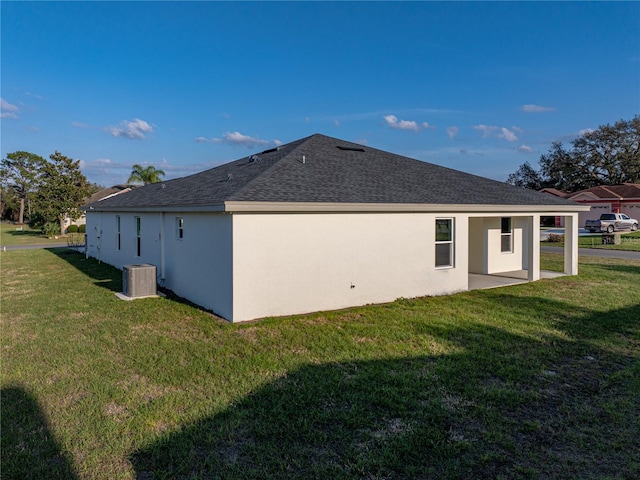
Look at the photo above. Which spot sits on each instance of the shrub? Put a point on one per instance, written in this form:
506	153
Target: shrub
82	228
72	229
51	228
555	238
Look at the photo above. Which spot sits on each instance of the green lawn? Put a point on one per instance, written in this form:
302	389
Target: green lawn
11	234
540	380
630	242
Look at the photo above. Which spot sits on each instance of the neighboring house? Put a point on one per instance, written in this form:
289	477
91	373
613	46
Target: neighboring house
320	224
96	197
554	221
623	198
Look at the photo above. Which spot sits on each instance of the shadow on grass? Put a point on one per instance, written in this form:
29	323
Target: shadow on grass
109	277
29	450
503	405
102	274
622	268
26	233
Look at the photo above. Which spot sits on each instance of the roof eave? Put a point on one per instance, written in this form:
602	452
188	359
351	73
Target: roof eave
321	207
283	207
155	209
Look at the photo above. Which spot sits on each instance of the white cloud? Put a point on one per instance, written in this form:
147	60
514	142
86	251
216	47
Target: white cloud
137	129
238	139
393	122
79	125
531	108
586	130
7	110
485	129
7	107
336	122
362	141
108	172
500	132
452	132
508	135
525	148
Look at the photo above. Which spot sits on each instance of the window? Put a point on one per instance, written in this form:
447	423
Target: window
138	236
444	242
179	228
118	232
506	235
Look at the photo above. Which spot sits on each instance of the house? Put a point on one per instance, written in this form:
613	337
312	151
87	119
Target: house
96	197
321	223
623	198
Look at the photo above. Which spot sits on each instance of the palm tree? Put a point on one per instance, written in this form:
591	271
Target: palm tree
145	175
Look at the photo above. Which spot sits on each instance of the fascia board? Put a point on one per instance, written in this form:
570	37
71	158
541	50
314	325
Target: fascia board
293	207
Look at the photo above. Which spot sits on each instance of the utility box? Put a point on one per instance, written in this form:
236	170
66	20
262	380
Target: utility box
139	280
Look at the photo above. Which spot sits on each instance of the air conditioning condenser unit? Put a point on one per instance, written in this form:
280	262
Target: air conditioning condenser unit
139	280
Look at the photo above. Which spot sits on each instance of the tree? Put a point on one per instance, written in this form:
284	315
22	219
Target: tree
608	155
62	190
20	172
146	175
526	176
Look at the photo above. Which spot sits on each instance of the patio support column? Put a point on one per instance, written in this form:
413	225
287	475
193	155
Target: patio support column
533	273
571	244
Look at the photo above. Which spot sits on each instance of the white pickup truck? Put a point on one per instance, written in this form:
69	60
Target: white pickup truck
612	222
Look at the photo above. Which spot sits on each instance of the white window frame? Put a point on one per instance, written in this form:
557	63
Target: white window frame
506	234
118	233
179	228
138	228
450	242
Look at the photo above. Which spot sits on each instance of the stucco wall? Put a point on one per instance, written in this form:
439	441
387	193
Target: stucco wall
198	267
102	238
485	255
298	263
498	261
477	245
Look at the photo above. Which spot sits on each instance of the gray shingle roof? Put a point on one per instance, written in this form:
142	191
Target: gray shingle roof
324	169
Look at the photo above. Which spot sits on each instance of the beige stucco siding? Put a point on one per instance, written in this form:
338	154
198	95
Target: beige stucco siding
102	239
298	263
198	266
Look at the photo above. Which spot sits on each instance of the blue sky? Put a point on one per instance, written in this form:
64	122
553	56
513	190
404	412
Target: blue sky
480	87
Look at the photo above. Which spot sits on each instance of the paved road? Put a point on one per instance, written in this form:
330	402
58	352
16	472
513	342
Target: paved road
596	252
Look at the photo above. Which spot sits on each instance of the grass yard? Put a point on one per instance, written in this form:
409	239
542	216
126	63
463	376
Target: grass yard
540	380
630	242
11	234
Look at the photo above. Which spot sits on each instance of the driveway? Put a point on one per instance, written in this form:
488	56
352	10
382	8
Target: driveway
544	234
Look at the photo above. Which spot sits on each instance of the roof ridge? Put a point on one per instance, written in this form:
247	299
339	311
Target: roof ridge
610	191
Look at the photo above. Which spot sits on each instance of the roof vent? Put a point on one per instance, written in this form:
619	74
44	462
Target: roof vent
254	158
350	149
229	176
271	150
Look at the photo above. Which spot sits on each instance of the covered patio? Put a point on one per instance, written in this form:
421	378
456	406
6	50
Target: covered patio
481	282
